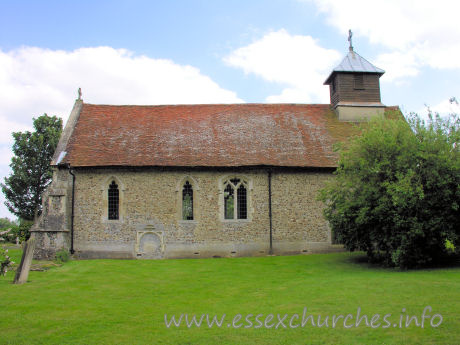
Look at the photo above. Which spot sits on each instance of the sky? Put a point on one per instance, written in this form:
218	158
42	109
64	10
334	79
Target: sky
216	51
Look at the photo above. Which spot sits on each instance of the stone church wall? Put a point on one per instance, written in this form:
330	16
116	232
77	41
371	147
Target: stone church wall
150	221
150	205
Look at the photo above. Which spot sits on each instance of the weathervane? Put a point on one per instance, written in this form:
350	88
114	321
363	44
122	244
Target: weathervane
79	94
350	34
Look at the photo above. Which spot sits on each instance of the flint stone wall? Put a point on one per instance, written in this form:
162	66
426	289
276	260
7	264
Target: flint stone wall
150	224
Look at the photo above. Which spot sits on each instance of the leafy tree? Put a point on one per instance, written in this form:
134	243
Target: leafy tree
22	230
5	223
397	191
31	171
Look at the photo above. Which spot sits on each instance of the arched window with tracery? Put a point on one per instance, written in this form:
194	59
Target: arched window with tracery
113	201
187	201
235	199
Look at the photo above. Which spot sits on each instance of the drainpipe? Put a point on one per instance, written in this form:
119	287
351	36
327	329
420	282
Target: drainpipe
72	211
270	209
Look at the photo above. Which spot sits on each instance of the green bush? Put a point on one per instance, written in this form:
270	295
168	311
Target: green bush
397	191
450	246
5	261
62	255
22	231
5	225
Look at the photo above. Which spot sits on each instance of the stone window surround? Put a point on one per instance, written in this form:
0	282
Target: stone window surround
105	200
249	190
195	188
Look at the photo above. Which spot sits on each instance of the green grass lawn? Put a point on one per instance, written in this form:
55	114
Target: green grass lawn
124	301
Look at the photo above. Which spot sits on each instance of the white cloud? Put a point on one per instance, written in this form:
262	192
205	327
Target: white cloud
415	33
443	108
35	80
397	66
7	127
5	157
298	62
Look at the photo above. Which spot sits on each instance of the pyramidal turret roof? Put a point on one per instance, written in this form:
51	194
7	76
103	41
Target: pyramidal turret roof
354	62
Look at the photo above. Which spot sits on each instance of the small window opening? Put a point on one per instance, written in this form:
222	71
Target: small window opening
242	203
187	201
114	201
228	202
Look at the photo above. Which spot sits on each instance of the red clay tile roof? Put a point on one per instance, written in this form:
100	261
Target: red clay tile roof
222	135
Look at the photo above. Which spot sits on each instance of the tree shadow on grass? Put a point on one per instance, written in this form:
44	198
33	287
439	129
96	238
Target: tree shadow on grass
361	259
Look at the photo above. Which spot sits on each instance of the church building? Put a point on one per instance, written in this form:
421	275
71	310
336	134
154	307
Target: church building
214	180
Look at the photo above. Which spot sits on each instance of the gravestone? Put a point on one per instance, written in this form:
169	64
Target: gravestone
22	272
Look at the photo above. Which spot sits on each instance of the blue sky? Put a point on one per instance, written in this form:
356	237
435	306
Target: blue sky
162	52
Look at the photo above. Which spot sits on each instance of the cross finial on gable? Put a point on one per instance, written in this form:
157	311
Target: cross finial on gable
350	34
